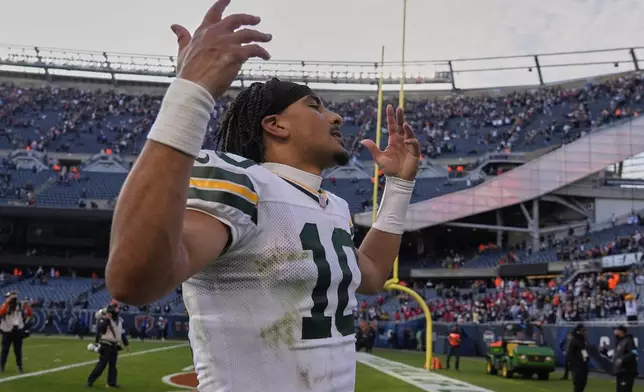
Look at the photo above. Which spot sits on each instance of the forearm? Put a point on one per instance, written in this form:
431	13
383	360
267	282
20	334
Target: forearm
382	243
380	250
146	252
145	247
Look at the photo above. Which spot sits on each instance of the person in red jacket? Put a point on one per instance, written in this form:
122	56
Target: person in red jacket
13	316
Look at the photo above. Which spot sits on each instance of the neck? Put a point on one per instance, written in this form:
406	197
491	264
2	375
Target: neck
288	160
309	178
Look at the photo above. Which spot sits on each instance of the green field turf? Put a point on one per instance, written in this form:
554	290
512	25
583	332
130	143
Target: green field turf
143	370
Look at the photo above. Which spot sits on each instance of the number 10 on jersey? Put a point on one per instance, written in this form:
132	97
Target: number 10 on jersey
318	326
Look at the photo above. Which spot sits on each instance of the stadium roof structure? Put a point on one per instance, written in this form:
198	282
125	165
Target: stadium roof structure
566	165
520	70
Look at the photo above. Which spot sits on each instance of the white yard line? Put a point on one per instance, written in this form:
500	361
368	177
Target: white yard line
89	338
75	365
420	378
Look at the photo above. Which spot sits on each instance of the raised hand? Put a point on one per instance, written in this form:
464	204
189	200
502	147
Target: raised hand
214	55
402	155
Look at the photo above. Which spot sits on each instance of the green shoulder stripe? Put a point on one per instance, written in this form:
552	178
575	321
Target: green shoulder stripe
244	164
226	198
217	173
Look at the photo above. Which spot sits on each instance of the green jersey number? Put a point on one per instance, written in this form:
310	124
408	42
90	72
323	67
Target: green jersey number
318	326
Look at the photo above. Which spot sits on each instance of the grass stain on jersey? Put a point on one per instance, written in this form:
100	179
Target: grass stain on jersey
281	331
262	265
279	256
303	375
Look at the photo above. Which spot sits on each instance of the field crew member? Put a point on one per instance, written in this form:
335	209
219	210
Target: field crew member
13	316
110	340
454	346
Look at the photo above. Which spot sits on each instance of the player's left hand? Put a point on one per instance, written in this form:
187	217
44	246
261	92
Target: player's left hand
402	156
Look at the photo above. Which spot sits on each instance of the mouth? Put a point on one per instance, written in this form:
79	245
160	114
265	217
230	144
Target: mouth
338	136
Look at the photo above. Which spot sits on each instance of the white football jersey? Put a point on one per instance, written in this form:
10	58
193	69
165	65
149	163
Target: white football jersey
274	311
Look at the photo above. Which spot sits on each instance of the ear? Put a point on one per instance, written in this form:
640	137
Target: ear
271	125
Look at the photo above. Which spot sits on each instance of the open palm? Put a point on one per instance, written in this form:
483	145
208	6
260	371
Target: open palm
402	155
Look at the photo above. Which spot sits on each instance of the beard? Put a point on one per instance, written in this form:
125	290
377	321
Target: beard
341	158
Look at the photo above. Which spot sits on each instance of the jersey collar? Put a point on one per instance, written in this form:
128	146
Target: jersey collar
306	180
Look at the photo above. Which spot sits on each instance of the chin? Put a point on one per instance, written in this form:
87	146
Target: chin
341	158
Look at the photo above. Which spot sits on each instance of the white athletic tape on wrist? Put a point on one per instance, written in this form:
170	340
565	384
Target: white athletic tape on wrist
393	206
183	117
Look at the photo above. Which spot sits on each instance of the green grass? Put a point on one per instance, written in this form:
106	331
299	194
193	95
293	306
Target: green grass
143	373
473	371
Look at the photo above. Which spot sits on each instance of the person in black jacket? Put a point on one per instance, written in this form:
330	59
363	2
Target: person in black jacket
625	359
563	346
577	357
370	337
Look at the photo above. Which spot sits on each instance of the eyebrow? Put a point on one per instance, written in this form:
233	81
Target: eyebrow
315	99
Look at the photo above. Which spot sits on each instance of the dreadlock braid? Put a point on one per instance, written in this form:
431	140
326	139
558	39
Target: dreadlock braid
241	130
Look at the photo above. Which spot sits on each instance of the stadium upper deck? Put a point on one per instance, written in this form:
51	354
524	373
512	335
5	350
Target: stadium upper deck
46	114
51	118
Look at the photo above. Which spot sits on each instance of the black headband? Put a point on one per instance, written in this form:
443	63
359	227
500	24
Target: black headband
284	94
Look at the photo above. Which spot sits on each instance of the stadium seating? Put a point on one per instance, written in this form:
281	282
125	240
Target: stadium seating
60	290
95	185
599	239
85	121
461	303
88	121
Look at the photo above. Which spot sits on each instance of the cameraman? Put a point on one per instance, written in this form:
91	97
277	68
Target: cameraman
110	337
13	317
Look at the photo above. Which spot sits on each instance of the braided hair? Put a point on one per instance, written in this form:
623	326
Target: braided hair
241	130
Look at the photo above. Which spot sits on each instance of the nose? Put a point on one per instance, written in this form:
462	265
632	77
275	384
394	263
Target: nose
335	118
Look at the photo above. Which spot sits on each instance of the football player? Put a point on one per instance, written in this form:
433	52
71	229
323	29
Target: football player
266	257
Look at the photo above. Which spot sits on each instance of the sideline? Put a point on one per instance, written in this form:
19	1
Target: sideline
90	338
75	365
420	378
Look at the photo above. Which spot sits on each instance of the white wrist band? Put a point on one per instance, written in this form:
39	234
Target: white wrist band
183	117
393	206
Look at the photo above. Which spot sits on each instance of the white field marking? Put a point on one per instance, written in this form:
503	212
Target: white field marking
188	369
90	338
168	380
75	365
420	378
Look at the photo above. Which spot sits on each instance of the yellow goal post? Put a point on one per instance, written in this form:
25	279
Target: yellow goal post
393	284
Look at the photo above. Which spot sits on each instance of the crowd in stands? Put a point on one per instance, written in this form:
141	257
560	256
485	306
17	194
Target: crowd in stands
52	118
56	119
51	290
582	297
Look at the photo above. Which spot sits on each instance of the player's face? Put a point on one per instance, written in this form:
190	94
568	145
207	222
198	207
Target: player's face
315	132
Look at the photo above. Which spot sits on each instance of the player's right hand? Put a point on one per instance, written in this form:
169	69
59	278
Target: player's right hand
213	56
